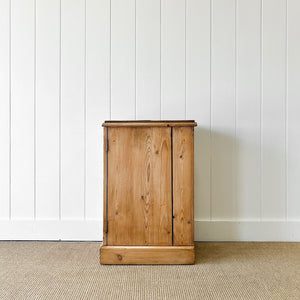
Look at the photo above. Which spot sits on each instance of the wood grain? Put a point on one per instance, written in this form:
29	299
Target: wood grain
183	186
105	185
147	255
149	123
139	186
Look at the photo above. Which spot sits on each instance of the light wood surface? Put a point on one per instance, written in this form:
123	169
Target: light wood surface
183	186
146	123
147	255
139	186
105	185
148	192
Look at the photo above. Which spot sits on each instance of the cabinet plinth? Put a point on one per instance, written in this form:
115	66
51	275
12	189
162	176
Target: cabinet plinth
148	193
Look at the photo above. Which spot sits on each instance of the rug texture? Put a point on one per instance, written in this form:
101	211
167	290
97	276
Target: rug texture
71	270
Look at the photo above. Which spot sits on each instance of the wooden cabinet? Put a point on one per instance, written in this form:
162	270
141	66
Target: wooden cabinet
148	192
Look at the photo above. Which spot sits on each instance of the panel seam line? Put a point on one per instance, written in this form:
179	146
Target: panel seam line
85	118
235	160
110	61
210	119
286	116
34	116
172	186
9	129
261	110
60	113
106	187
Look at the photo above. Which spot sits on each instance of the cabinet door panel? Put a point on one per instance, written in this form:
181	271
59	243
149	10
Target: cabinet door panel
183	185
139	187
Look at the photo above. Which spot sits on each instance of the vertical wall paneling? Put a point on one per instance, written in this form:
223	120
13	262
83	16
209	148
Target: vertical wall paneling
274	109
198	95
223	109
72	108
173	59
147	59
123	94
22	109
248	109
293	104
97	99
232	65
4	108
47	108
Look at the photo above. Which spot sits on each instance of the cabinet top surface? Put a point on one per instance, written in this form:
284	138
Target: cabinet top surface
146	123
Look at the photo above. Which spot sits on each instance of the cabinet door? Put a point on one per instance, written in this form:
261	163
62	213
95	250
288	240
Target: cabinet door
139	187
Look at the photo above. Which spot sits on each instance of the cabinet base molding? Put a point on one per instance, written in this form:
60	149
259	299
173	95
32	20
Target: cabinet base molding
147	255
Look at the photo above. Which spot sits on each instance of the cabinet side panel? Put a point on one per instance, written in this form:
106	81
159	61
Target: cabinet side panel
183	186
105	136
139	187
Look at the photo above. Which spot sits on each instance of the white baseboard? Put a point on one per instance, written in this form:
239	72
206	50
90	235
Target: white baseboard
67	230
91	230
279	231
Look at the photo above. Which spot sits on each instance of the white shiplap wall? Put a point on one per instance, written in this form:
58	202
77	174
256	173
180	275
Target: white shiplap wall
233	66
